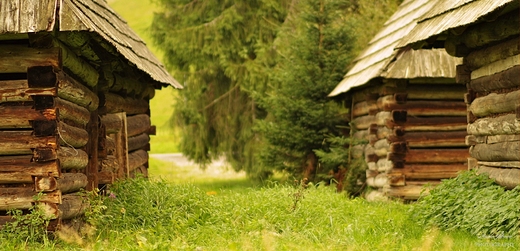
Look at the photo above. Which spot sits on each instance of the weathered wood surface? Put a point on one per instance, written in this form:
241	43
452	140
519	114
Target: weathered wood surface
361	135
505	124
138	142
431	156
69	111
138	124
71	182
72	136
73	205
45	183
363	122
71	158
435	92
496	67
110	145
495	103
430	171
501	80
25	166
21	142
506	177
382	117
112	123
19	90
106	177
24	197
413	123
432	139
73	91
121	148
487	55
110	163
118	83
424	108
504	151
136	159
408	192
92	150
490	139
378	181
86	72
363	108
115	103
506	164
357	151
20	116
17	58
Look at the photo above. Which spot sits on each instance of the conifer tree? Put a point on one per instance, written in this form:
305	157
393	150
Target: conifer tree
221	51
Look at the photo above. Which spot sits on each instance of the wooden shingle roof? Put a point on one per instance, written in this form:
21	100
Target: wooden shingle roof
26	16
451	14
375	60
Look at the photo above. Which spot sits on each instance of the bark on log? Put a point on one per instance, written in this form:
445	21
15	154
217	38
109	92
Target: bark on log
112	123
432	139
357	151
20	116
431	171
78	66
21	142
71	158
412	123
491	139
73	91
361	135
408	192
138	124
115	103
23	198
362	123
431	156
73	205
435	92
17	58
479	58
110	164
505	164
496	152
505	124
486	33
20	91
508	178
138	142
21	169
495	103
69	111
72	136
121	150
136	159
72	182
501	80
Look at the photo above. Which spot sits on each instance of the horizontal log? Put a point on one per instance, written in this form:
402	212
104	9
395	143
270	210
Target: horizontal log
73	91
379	181
21	142
72	182
491	139
383	165
17	58
72	206
69	111
375	196
408	192
396	179
505	151
487	55
382	117
424	108
138	142
383	132
435	92
430	171
20	116
505	124
110	164
20	91
495	103
506	177
361	135
431	156
114	103
506	164
21	169
110	146
112	122
432	139
72	136
136	159
496	67
363	108
86	72
413	123
362	123
502	80
141	171
137	124
106	177
25	197
71	158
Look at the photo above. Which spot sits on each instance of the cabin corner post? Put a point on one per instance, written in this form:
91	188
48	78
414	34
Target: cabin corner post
92	150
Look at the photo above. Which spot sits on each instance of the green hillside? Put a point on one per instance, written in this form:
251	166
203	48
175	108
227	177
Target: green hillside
139	15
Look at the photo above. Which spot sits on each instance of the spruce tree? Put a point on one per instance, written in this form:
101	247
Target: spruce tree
221	51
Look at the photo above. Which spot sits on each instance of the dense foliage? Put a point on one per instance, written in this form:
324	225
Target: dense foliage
472	203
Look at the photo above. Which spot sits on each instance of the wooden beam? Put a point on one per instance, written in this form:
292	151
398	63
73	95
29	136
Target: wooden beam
432	139
506	177
501	80
115	103
25	197
430	171
110	163
424	108
505	151
71	112
137	159
73	91
78	66
20	91
106	177
435	92
487	33
362	123
495	103
112	123
138	142
121	150
431	156
487	55
505	164
138	124
17	58
413	123
72	136
21	116
73	205
92	150
21	142
71	158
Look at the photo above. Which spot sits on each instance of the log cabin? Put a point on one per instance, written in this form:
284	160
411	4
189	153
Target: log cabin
406	105
486	35
75	85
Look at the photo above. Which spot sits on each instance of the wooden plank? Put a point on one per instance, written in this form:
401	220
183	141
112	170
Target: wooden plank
506	177
17	58
137	159
19	91
25	197
487	55
413	123
21	169
430	171
505	124
21	116
507	164
432	139
504	151
21	142
495	103
431	156
424	108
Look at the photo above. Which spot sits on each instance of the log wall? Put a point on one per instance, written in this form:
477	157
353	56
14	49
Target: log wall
416	132
66	125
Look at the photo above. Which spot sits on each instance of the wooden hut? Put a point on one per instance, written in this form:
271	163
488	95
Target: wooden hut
486	35
75	85
408	108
